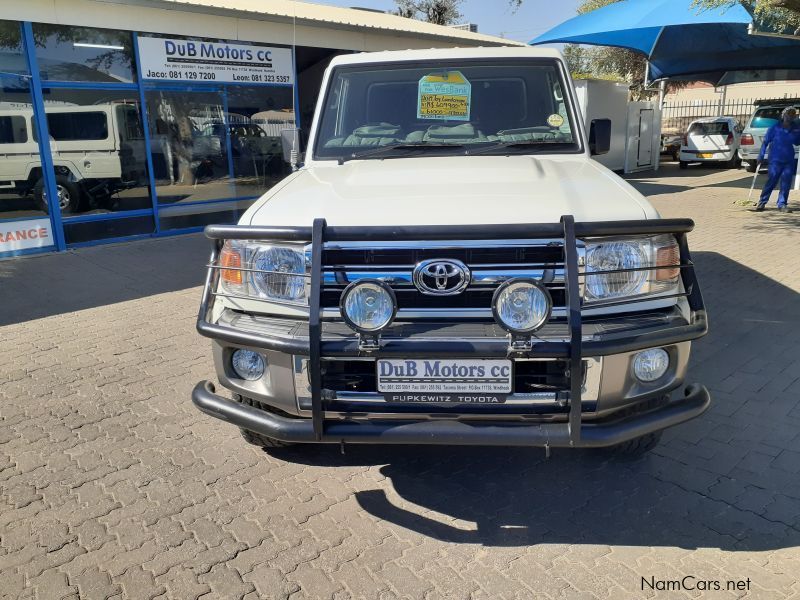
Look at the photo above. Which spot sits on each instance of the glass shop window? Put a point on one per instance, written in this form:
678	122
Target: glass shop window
77	125
12	58
21	183
13	129
68	53
98	151
256	117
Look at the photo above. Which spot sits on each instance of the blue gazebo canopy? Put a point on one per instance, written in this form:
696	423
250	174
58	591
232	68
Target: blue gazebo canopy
682	41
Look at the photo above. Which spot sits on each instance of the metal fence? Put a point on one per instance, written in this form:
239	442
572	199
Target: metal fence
678	115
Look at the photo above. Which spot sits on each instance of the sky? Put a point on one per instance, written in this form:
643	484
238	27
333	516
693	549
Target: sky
495	17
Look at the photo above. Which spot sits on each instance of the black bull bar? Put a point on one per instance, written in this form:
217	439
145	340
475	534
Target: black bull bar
572	433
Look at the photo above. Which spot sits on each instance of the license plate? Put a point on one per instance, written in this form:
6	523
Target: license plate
705	155
443	378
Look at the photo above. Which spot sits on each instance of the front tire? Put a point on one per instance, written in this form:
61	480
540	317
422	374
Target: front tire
683	164
733	163
644	444
638	446
256	439
69	195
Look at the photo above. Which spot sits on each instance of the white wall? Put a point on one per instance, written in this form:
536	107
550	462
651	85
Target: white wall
740	91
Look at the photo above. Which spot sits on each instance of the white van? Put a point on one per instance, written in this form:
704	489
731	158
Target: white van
97	151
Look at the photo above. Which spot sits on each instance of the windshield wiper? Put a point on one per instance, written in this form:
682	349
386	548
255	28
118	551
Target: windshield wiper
388	149
538	145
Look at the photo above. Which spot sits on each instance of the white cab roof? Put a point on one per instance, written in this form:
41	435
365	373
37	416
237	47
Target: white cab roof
444	53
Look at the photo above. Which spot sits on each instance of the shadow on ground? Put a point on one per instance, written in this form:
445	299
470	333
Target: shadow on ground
727	480
669	179
52	284
771	220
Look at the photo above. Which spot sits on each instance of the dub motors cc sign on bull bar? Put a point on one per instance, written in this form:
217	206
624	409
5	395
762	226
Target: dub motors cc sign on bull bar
166	59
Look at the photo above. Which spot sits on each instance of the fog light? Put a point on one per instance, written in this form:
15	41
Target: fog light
368	305
650	365
521	305
247	364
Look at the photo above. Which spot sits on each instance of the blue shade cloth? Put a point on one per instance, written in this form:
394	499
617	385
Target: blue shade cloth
682	41
637	24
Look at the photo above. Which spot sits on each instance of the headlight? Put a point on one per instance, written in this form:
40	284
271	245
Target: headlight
283	273
629	260
368	305
264	271
521	305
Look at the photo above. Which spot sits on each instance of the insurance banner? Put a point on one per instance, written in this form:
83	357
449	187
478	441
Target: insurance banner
24	235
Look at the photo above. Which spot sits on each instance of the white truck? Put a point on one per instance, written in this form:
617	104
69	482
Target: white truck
97	151
450	266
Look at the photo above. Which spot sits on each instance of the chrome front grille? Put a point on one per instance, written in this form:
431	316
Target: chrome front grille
490	262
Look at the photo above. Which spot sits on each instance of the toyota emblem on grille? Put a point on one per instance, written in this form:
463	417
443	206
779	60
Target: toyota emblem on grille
441	277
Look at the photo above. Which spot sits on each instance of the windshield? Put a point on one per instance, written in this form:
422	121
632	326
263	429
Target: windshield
714	128
766	117
447	108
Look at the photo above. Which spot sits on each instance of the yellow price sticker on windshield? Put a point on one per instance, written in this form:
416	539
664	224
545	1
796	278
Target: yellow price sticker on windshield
446	96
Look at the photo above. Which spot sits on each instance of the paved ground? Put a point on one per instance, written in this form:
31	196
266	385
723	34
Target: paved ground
112	485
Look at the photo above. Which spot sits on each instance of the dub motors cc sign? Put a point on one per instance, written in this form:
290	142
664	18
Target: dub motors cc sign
23	235
167	59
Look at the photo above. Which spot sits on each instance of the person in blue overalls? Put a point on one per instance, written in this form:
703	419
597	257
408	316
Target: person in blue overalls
781	138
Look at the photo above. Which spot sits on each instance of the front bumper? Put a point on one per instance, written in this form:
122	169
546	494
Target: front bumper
711	156
452	432
316	343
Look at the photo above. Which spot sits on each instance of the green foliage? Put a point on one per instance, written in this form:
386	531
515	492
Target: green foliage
439	12
609	63
590	5
775	15
604	62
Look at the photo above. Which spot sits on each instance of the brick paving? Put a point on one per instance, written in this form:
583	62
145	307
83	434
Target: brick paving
113	486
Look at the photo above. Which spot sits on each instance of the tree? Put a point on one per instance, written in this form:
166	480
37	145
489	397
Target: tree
577	60
605	62
439	12
616	64
782	16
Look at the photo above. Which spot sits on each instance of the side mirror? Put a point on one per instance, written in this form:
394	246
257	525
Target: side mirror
600	136
290	145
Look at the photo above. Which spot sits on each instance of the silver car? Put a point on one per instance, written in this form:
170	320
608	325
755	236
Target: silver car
765	115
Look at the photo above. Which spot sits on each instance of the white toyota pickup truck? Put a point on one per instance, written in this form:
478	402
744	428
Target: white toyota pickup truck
450	266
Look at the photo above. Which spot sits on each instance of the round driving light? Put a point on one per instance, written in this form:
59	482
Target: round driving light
247	364
521	305
650	365
368	305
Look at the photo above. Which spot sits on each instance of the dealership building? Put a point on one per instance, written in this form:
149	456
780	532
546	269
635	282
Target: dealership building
162	116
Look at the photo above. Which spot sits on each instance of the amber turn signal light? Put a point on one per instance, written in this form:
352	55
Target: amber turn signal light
665	257
230	258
